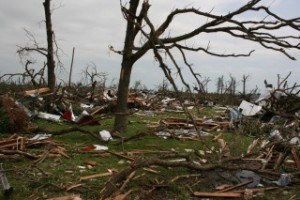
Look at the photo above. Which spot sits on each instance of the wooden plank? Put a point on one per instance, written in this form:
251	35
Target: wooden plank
18	143
37	91
68	197
151	170
95	176
256	189
296	157
120	155
73	186
220	194
98	109
236	186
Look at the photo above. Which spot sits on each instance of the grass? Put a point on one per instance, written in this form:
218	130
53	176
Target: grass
54	175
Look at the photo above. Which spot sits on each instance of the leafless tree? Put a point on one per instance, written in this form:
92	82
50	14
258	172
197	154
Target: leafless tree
36	78
245	78
137	85
220	85
163	88
231	87
156	38
91	73
93	76
49	52
205	82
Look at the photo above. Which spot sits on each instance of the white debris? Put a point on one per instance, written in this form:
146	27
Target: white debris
41	136
295	141
249	109
100	147
105	135
48	116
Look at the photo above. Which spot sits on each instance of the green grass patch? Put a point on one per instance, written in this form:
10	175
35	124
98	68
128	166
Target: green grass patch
53	176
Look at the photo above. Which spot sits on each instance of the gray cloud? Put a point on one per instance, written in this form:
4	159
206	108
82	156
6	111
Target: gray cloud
92	25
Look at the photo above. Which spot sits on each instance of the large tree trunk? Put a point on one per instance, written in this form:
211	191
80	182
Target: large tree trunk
121	108
128	60
50	55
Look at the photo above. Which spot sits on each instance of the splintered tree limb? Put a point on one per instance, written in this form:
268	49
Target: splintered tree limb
181	47
126	181
218	195
18	152
296	157
37	49
111	186
120	156
154	40
184	176
72	129
236	186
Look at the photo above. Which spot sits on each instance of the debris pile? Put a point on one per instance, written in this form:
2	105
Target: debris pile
271	161
16	147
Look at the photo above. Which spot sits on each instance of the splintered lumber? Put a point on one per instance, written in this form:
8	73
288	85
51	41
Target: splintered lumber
279	160
37	91
90	162
235	186
18	152
191	138
220	195
98	109
121	196
151	170
256	189
121	156
61	151
73	186
184	176
68	197
183	123
116	178
95	176
268	157
17	143
296	157
133	152
127	181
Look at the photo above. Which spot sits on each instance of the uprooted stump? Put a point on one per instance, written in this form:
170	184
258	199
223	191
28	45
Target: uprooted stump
12	117
110	187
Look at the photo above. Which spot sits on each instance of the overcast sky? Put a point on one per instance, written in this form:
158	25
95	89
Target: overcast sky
92	25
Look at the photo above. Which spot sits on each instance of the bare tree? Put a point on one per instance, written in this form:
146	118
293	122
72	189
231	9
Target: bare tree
48	52
205	82
163	88
92	75
36	78
231	89
244	80
137	85
220	85
154	37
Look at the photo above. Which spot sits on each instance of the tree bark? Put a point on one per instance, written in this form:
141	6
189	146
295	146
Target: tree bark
50	53
71	67
120	124
121	118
